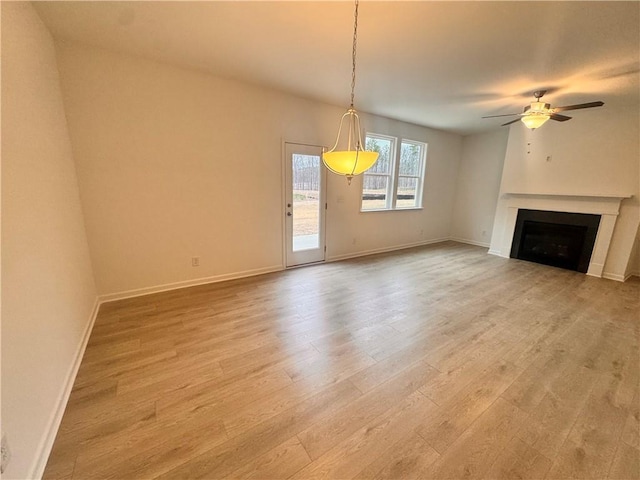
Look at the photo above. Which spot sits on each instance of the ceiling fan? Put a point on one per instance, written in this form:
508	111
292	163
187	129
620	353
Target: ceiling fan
538	112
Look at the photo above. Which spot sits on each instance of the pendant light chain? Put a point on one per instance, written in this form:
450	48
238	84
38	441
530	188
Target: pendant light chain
354	160
353	55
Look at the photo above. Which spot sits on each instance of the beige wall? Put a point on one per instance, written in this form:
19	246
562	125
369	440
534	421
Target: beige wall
48	291
596	153
478	185
174	163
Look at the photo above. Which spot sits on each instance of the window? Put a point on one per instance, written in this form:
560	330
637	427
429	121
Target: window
410	174
391	185
377	181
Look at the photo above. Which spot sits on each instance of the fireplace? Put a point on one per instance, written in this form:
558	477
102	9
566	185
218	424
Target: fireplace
607	207
560	239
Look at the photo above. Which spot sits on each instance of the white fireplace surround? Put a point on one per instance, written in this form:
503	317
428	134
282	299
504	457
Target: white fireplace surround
607	206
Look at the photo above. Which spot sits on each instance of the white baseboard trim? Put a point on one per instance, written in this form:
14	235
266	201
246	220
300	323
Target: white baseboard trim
46	444
615	276
470	242
139	292
375	251
497	253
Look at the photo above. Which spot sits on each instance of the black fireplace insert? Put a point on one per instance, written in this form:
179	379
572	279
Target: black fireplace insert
560	239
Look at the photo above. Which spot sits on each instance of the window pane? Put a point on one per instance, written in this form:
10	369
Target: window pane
407	192
410	159
306	201
374	192
383	147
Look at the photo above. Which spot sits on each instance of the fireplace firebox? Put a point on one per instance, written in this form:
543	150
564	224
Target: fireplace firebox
559	239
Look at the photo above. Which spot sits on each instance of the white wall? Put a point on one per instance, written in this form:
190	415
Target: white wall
596	153
478	186
48	291
175	163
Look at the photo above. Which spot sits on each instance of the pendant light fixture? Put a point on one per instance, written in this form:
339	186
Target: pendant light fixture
354	160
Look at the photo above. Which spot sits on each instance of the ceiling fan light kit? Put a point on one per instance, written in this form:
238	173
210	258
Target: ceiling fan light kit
536	114
534	120
354	160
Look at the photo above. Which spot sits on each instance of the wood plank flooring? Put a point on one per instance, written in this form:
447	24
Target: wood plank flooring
439	362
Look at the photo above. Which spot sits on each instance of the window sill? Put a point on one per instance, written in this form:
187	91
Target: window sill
392	209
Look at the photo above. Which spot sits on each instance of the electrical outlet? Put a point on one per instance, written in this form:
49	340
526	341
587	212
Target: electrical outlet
5	455
195	261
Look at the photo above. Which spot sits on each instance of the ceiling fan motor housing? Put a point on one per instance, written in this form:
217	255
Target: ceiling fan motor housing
537	107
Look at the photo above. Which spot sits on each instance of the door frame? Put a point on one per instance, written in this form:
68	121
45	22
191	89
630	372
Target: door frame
283	217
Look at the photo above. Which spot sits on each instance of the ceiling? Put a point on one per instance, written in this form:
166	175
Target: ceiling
439	64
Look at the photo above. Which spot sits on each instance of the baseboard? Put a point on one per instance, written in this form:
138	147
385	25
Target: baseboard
375	251
633	273
497	253
619	278
44	449
187	283
470	242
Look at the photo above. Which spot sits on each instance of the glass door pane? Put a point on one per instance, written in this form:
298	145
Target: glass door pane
306	170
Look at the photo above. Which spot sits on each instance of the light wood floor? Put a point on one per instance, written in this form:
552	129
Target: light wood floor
435	362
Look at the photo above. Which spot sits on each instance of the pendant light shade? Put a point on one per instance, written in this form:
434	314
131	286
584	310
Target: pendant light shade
350	162
535	120
354	160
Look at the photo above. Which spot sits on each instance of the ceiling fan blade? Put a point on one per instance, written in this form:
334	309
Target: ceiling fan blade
505	115
578	107
509	123
559	118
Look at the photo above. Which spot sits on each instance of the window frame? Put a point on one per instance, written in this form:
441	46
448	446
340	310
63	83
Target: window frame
394	176
389	197
419	176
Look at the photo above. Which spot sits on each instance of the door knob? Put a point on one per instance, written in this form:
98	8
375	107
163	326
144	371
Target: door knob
289	214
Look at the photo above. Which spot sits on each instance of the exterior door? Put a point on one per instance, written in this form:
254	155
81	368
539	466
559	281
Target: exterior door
305	206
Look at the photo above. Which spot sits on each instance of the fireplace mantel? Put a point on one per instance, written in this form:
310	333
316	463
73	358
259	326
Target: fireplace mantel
567	195
607	206
598	204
